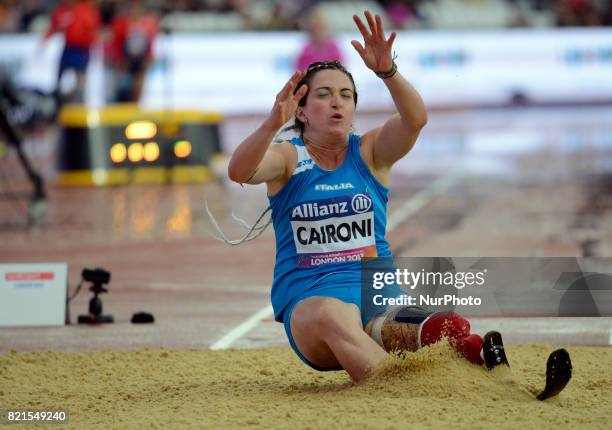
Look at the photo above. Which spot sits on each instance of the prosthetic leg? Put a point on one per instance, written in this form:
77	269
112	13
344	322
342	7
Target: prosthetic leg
409	328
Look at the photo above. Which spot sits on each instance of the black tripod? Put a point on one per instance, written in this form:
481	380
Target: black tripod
95	308
98	277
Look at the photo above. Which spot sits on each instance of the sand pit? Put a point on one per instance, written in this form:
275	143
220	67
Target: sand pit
270	388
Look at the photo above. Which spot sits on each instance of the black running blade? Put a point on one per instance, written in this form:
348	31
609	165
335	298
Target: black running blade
493	350
558	373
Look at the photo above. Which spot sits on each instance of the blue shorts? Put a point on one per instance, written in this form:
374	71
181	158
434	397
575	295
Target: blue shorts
346	294
74	58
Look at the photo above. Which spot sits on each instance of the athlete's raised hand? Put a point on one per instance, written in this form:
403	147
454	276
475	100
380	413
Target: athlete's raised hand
376	54
286	102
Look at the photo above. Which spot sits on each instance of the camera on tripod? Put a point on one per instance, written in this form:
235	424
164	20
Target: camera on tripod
98	277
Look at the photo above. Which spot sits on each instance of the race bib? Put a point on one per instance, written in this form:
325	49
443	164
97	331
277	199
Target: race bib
334	230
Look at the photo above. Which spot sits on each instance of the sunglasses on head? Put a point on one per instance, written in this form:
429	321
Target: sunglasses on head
320	65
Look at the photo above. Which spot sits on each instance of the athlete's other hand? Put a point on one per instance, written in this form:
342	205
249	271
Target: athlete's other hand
377	51
286	102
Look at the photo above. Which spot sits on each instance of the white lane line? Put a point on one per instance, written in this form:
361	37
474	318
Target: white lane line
420	199
398	216
239	331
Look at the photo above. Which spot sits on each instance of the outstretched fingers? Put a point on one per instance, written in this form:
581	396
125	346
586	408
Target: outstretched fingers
362	28
300	93
282	94
372	23
359	48
379	26
376	30
290	85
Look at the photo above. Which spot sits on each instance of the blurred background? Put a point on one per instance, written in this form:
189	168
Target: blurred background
118	119
77	70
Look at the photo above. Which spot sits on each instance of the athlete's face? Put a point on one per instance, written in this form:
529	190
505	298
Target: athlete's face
330	104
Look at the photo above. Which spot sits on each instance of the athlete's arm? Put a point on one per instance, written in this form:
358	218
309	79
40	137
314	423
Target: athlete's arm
254	161
397	136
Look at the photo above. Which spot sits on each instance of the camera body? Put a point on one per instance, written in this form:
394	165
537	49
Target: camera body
96	276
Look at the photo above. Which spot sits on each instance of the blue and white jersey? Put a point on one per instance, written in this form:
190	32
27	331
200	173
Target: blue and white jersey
325	221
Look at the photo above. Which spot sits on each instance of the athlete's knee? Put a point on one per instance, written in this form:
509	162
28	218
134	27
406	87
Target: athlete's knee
335	316
331	317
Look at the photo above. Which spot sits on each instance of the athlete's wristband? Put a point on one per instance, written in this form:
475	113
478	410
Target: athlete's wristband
388	73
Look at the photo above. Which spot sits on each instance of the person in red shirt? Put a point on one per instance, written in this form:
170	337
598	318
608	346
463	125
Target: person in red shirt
130	51
79	21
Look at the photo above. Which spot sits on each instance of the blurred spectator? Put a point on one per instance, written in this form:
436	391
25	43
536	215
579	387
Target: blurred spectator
402	13
281	18
129	52
30	9
285	14
520	14
217	6
79	21
10	16
108	10
576	13
18	15
606	14
321	46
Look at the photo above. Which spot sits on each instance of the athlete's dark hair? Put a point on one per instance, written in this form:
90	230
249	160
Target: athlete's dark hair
312	70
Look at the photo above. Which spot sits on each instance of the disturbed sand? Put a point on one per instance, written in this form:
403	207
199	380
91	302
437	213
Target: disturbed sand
271	388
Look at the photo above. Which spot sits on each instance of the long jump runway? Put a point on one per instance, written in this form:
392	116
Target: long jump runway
496	183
